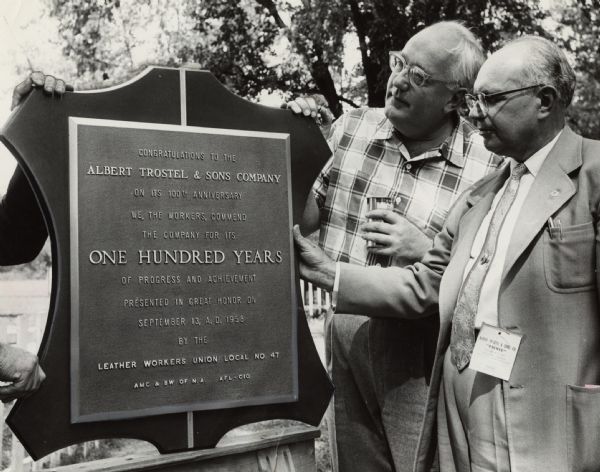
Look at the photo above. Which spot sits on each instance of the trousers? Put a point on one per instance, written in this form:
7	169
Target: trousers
380	369
472	434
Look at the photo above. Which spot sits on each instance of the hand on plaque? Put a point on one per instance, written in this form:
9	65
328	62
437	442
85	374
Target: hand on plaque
21	370
315	266
394	235
314	106
51	86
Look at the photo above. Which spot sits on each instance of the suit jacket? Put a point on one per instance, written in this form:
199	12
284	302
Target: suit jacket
548	294
22	228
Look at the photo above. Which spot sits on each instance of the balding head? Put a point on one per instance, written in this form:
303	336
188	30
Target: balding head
523	90
537	60
459	47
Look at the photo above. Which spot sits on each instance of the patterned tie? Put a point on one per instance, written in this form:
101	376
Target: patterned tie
462	338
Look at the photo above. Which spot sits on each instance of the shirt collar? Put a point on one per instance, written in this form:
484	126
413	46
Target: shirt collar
534	163
452	149
385	129
455	148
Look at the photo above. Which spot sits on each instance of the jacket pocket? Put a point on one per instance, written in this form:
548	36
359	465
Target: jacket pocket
569	258
583	428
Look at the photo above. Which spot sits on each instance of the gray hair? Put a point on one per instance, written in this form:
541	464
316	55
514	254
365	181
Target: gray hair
466	49
548	65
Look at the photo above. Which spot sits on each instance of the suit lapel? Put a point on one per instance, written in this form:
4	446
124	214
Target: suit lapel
551	188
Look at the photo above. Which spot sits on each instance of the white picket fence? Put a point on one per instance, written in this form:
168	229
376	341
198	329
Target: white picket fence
26	330
18	462
316	301
23	310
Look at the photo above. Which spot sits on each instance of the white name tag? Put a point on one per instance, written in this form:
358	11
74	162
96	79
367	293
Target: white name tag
495	352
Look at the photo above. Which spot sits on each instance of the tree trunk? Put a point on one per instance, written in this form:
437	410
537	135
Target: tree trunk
324	81
368	66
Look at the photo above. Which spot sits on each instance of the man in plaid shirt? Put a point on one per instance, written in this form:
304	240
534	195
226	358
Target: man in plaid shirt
418	152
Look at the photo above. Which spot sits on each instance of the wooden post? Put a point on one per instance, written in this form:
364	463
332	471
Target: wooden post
319	301
18	454
302	291
54	458
310	300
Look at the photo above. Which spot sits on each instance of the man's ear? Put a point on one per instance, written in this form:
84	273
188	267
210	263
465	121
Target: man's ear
548	100
456	102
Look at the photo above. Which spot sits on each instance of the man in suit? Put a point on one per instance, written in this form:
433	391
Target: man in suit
519	251
418	152
22	236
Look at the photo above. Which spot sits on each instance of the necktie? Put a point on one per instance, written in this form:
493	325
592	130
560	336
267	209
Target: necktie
462	338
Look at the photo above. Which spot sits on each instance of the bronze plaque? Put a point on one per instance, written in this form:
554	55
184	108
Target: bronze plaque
182	284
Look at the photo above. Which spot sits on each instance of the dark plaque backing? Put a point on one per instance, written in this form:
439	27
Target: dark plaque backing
174	314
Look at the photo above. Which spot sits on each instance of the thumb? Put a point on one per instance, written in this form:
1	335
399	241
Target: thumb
298	238
390	216
20	92
305	246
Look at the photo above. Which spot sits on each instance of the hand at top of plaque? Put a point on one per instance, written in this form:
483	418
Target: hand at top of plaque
313	106
50	84
394	235
22	372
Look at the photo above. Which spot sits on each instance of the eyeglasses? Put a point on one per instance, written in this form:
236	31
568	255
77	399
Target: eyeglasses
417	76
485	101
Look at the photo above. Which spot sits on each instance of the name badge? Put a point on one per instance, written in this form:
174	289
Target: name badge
495	352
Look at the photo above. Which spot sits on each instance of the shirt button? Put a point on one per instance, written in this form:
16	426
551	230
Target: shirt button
408	166
378	264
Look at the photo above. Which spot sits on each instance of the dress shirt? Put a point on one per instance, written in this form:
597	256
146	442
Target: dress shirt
487	311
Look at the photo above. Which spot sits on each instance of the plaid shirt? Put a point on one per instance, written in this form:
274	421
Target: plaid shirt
370	160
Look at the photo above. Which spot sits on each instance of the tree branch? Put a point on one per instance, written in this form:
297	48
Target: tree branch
272	8
348	101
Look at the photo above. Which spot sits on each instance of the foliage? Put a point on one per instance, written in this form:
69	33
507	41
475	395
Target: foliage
385	25
106	448
579	33
112	40
83	27
583	113
249	47
297	47
316	33
235	39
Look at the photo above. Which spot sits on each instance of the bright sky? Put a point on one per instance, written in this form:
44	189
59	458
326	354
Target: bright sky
27	41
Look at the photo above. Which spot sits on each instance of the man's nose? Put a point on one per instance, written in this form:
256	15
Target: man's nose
476	112
401	80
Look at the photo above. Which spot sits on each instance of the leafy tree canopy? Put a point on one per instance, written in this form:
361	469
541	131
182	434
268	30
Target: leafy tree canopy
297	46
579	33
